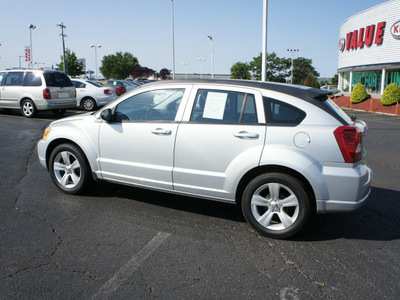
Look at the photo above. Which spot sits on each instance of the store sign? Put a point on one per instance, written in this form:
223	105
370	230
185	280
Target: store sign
27	53
366	36
395	30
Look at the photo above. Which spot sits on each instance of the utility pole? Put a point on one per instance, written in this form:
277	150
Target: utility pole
63	41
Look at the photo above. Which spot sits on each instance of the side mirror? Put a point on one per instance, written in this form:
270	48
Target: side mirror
106	115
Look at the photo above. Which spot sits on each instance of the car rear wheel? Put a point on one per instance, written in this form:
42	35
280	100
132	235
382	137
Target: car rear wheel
28	108
88	104
69	169
276	205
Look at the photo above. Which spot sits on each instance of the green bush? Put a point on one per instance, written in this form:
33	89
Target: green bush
359	94
391	95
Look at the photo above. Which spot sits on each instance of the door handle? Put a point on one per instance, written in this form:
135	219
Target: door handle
161	131
246	135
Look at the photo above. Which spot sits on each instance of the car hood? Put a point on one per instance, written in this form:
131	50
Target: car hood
72	118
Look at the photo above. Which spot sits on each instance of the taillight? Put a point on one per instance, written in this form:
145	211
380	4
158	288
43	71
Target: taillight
108	92
349	139
46	94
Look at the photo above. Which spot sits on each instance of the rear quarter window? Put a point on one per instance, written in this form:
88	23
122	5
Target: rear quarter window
57	80
32	79
281	113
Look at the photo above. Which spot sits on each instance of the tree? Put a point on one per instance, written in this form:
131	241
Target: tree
74	67
335	80
311	81
118	65
277	68
240	71
164	73
140	71
302	67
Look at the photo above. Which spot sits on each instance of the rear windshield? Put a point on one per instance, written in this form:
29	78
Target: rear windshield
336	109
95	83
57	80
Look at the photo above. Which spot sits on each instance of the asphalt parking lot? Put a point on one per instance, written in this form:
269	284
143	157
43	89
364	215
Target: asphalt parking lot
123	243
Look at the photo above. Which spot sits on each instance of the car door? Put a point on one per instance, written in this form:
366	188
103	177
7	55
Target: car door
137	146
221	137
11	90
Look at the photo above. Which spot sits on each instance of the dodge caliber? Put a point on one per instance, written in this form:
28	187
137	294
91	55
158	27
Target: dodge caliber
281	152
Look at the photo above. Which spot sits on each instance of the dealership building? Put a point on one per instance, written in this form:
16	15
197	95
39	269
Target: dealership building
369	48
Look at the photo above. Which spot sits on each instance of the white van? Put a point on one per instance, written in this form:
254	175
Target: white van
35	90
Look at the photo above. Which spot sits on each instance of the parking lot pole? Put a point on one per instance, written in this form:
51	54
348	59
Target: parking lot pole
264	42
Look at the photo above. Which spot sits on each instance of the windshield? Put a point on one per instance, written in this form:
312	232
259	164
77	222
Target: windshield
95	83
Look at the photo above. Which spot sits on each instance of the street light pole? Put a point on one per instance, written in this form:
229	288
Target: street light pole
212	56
201	66
95	55
264	42
31	27
173	39
292	51
186	64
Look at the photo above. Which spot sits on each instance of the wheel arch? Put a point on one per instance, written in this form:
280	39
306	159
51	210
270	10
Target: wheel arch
253	173
60	141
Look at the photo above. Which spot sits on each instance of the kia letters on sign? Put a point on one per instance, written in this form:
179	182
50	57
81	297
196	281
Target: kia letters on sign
395	30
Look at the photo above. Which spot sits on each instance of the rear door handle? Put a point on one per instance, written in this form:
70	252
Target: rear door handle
161	131
246	135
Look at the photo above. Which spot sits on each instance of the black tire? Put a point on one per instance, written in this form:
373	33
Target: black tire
59	112
28	108
276	205
88	104
69	169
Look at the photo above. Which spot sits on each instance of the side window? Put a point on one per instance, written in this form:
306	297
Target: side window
278	112
78	84
227	107
32	79
2	76
14	79
158	105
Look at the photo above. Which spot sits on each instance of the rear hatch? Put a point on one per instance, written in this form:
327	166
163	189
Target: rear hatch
60	86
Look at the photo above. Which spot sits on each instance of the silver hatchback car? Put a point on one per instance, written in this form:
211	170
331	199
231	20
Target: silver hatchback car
279	151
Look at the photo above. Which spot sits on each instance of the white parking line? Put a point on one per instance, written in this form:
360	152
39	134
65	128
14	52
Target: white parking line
135	262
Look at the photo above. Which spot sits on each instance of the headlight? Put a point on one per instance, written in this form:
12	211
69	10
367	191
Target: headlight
46	133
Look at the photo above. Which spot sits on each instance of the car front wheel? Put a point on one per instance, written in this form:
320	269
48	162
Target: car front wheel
276	205
69	169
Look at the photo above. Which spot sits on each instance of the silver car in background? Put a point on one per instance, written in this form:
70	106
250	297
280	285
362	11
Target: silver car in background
279	151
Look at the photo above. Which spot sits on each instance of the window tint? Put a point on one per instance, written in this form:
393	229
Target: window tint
32	79
214	106
158	105
278	112
14	79
57	80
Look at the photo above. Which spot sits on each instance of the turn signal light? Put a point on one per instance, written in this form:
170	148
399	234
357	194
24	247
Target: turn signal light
108	92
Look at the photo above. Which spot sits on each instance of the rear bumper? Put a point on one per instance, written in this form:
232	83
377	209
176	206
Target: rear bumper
348	188
49	105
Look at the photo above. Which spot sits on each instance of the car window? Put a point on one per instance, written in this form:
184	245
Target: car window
14	79
278	112
96	84
78	84
216	106
32	79
2	76
57	80
158	105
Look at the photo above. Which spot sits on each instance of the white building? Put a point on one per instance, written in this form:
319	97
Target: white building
369	48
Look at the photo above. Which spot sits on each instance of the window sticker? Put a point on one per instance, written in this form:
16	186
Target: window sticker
215	105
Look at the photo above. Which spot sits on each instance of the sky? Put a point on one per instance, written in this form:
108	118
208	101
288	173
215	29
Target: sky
144	29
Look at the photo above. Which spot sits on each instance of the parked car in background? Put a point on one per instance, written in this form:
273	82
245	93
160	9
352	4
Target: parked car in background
36	90
281	152
91	95
129	85
119	90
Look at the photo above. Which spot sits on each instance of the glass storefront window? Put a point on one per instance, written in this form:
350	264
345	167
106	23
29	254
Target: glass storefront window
345	81
392	76
370	79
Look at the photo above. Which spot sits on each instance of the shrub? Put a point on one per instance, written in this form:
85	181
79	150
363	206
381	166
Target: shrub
311	81
391	95
358	94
